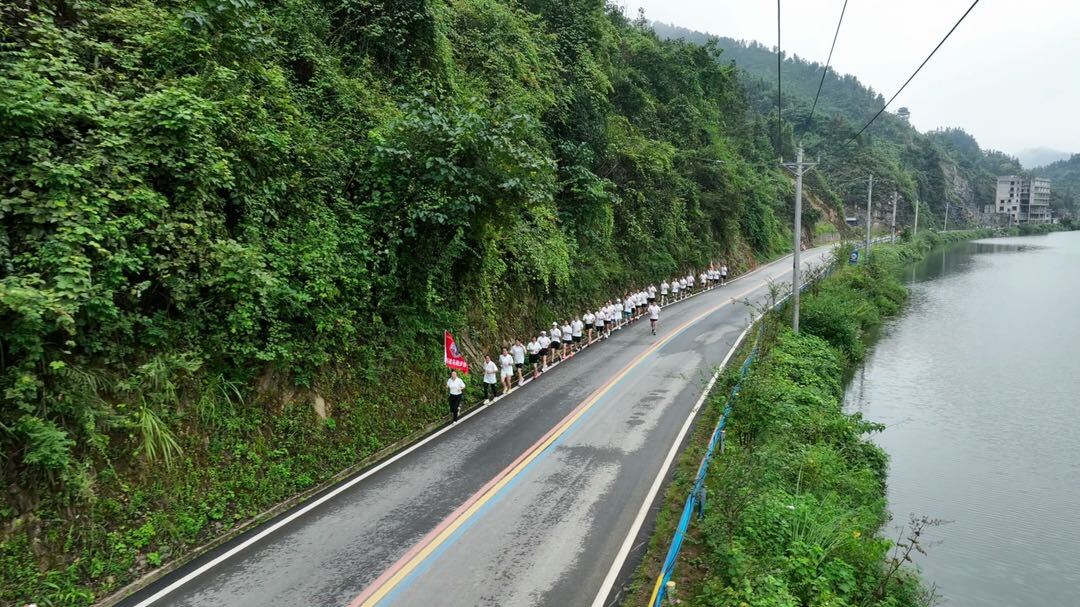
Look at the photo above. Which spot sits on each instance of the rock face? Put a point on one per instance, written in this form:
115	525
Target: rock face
964	205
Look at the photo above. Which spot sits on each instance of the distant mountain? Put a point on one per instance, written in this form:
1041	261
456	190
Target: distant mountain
1033	158
944	168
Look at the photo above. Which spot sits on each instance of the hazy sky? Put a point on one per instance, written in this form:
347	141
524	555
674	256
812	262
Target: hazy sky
1009	75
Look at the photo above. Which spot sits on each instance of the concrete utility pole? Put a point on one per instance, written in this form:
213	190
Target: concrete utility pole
947	201
869	197
916	219
894	196
799	168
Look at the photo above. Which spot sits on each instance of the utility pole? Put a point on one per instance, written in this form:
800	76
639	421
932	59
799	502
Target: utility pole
799	168
916	220
869	197
947	201
894	196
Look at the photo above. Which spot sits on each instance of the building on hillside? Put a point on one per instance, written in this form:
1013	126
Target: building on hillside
1023	199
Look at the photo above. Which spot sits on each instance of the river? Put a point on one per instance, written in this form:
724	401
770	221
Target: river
978	383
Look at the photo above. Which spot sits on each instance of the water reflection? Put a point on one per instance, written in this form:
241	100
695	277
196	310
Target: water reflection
977	384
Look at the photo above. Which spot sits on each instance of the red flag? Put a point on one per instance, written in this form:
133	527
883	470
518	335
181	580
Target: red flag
452	356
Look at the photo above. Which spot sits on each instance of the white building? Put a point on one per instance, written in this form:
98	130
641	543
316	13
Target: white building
1026	200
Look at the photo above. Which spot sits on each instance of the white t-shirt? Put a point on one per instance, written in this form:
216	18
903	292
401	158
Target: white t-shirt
589	318
518	352
674	286
534	347
664	286
506	362
544	341
690	280
455	385
576	328
567	331
682	283
723	270
556	334
489	372
703	278
652	290
628	306
654	312
600	318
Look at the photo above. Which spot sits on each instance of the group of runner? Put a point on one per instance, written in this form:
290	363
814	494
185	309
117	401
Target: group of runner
564	339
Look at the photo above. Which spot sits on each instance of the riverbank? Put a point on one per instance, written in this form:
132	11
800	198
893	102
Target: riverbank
975	381
796	503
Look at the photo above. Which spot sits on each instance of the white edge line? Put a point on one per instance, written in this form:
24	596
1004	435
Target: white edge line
352	482
303	510
627	545
639	520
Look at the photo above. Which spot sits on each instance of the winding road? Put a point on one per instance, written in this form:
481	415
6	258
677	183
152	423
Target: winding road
542	498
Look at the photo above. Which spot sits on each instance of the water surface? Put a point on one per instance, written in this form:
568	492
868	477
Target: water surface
978	383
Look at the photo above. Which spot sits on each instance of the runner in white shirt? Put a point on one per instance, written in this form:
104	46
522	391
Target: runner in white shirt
590	320
577	331
689	283
489	379
675	289
556	341
534	349
545	346
664	288
599	318
723	274
683	286
506	370
654	316
455	387
628	310
651	298
703	281
518	352
567	339
617	320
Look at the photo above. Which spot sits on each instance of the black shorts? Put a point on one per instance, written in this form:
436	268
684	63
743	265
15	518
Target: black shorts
576	338
534	358
519	366
652	298
588	326
556	344
543	351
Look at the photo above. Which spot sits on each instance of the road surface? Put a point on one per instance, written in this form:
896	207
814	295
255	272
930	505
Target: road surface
526	502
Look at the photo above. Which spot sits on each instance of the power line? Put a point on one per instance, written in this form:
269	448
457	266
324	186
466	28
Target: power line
828	62
882	110
779	102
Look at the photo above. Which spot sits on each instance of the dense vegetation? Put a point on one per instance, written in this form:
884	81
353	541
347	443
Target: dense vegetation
941	168
233	232
1065	183
796	502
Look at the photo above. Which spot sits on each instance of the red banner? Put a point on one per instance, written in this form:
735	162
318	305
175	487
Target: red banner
452	355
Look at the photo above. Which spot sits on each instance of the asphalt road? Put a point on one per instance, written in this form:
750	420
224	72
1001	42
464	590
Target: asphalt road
525	502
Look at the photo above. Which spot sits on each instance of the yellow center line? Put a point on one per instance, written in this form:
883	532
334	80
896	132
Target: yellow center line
372	595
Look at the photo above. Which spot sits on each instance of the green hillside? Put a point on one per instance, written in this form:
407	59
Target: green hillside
1065	183
940	168
233	233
